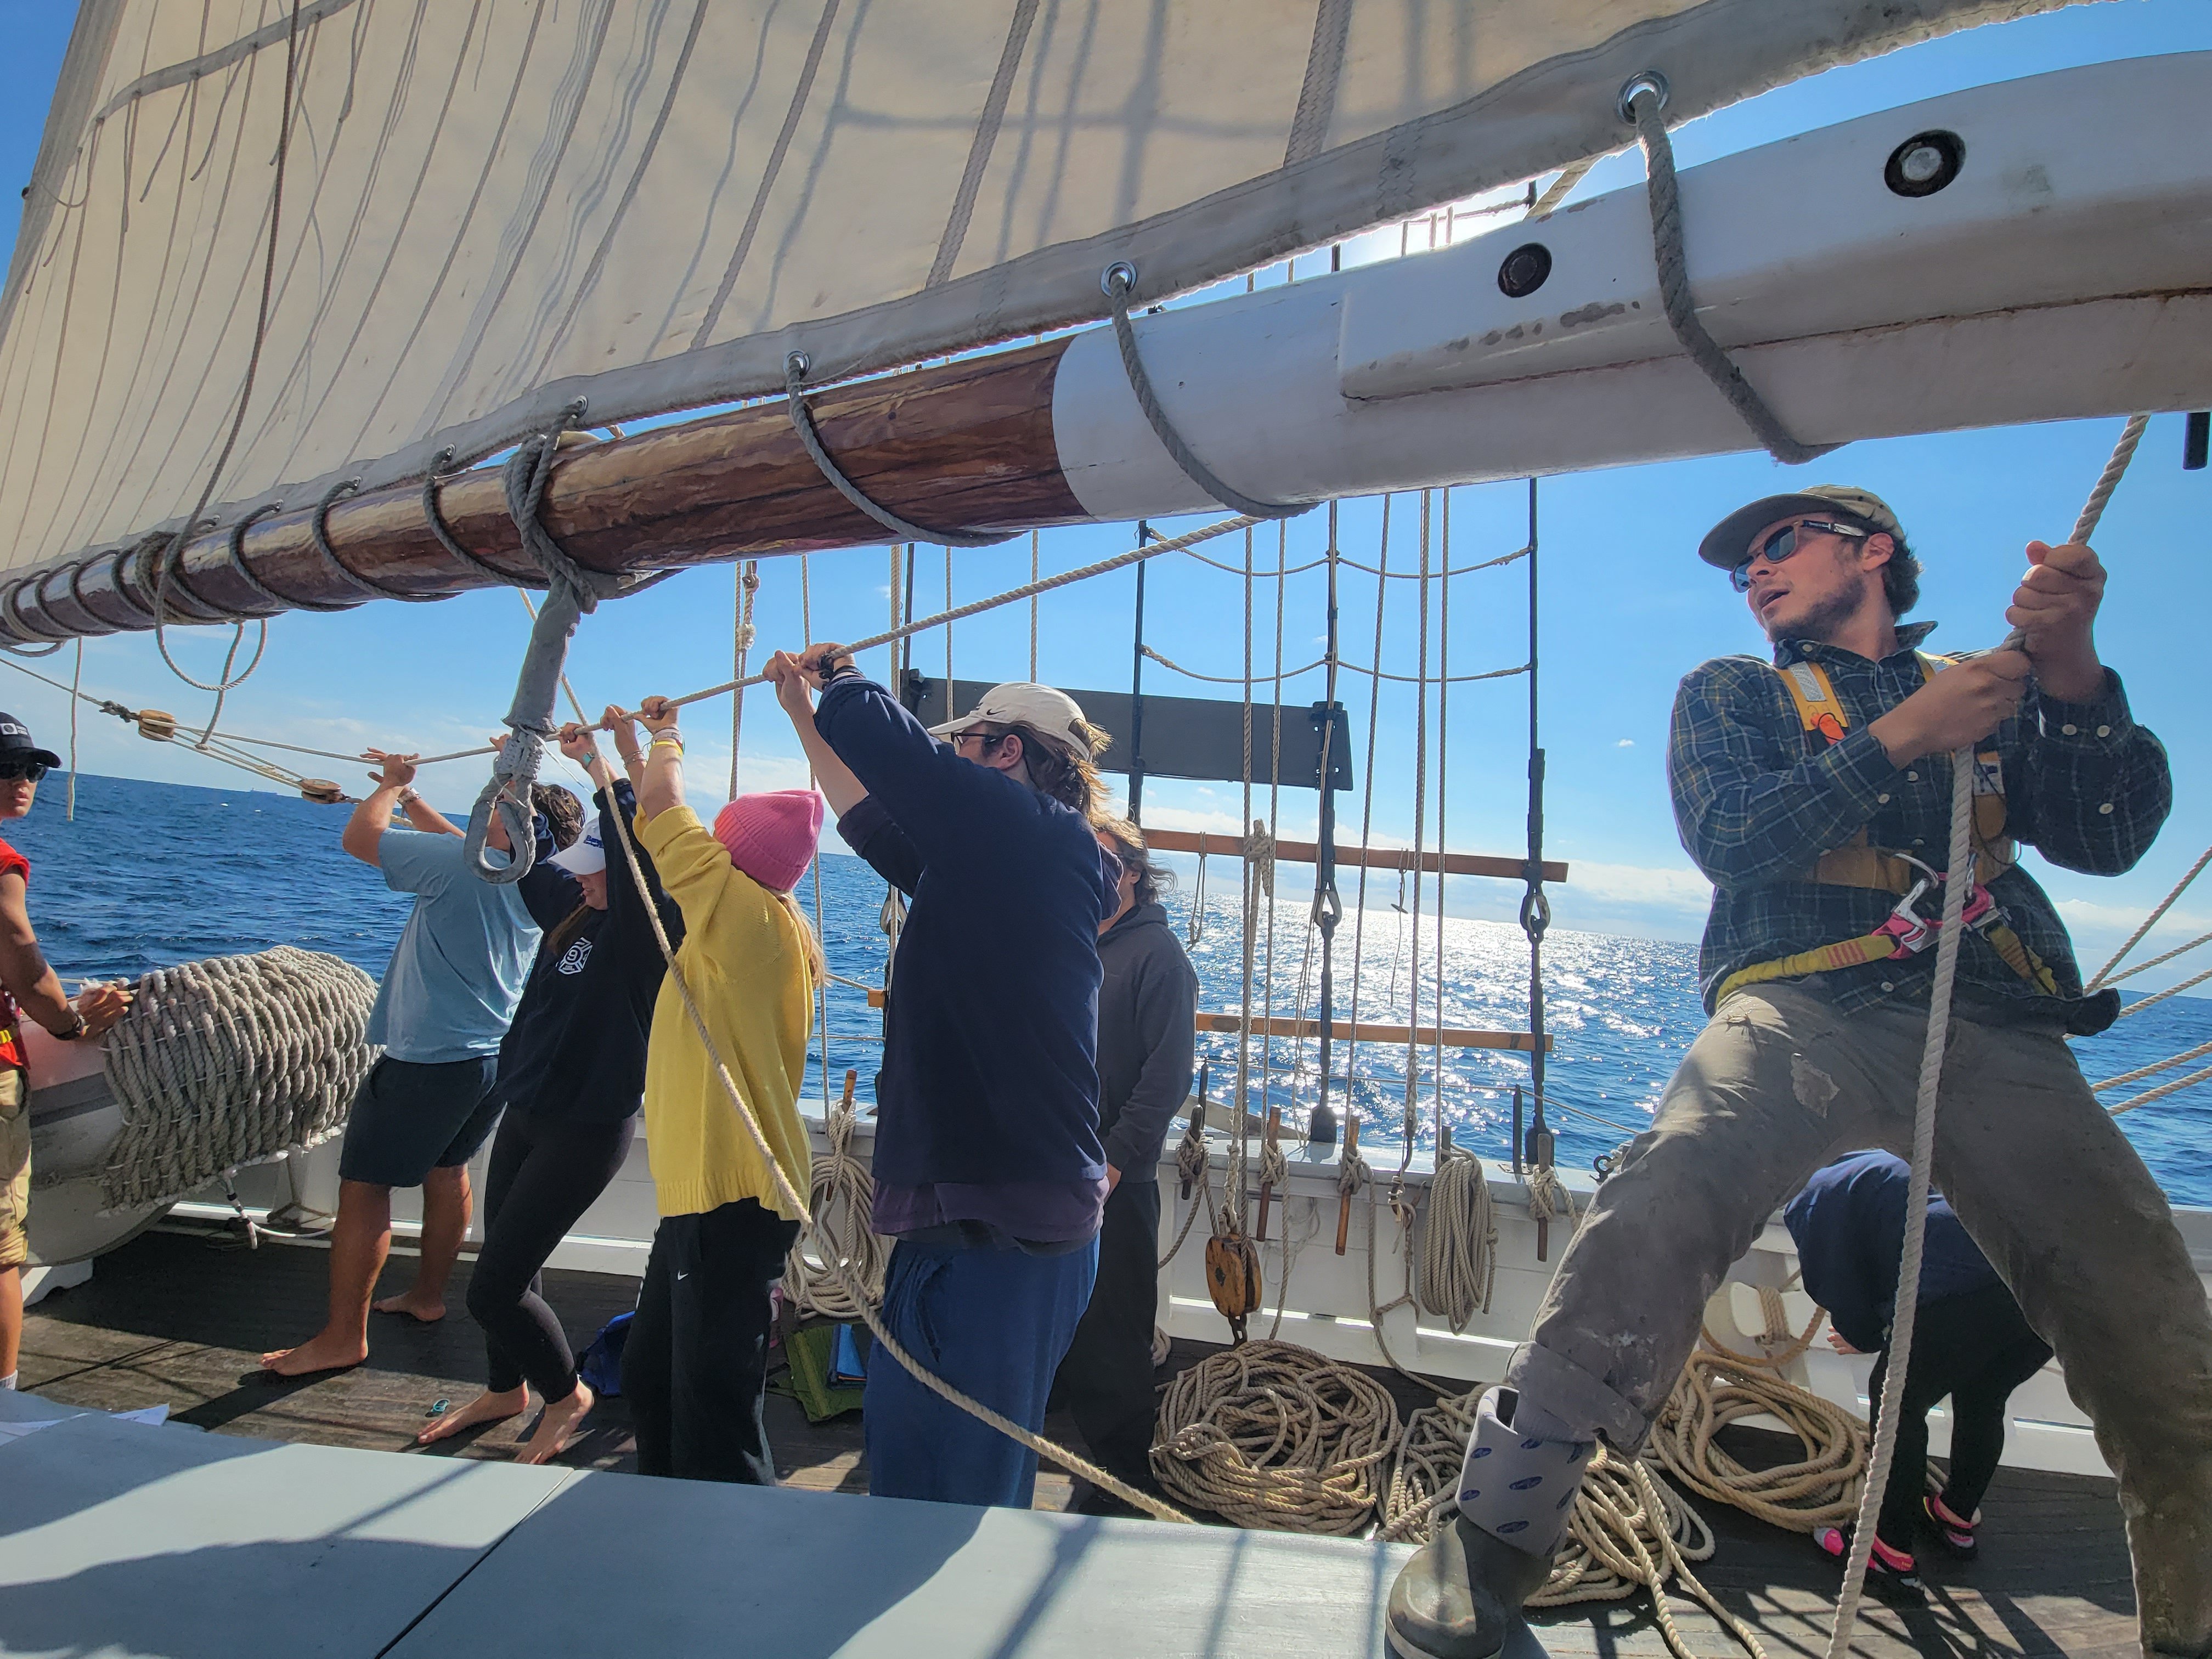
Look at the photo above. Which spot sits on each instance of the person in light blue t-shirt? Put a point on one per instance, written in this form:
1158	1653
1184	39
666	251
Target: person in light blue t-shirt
428	1103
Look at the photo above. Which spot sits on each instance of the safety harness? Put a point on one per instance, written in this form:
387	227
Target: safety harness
1859	863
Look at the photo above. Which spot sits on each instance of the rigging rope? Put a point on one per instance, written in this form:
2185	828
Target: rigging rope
1116	282
1459	1240
1642	98
842	1198
1931	1073
2104	974
795	366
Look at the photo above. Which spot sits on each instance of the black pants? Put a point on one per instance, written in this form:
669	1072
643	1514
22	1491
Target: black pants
695	1363
544	1176
1106	1378
1977	1348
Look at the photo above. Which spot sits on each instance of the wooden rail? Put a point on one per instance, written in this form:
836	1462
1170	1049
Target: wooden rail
1374	858
1454	1036
1343	1030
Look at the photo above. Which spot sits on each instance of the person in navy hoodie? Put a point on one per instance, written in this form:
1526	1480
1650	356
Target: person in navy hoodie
1970	1341
989	1171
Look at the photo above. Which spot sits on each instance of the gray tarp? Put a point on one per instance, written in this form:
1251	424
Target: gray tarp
492	206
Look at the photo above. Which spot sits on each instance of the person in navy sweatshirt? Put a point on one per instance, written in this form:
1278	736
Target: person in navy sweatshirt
1970	1341
989	1171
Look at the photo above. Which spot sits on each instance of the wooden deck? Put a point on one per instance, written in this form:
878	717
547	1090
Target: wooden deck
179	1318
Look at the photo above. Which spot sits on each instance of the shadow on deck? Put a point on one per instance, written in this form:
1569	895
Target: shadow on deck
179	1318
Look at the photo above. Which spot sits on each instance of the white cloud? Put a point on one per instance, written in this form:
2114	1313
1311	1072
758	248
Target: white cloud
1626	743
1673	887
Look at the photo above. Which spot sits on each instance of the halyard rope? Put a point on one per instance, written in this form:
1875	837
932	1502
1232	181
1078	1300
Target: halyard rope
1899	1348
841	1199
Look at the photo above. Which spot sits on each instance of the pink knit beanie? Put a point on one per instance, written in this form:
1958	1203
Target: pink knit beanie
771	836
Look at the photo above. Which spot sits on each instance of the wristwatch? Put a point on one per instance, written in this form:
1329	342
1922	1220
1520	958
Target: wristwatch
407	795
77	1030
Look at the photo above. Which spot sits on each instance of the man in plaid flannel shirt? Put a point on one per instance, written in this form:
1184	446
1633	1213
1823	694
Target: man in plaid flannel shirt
1796	1066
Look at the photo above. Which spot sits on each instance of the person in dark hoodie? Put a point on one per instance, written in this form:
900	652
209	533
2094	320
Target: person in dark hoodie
1970	1341
1147	1043
571	1075
988	1169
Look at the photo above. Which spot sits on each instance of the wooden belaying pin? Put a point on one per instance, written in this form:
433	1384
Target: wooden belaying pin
1273	1140
1344	1204
1197	1118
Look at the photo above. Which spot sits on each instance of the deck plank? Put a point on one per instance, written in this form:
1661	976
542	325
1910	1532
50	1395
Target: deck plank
171	1318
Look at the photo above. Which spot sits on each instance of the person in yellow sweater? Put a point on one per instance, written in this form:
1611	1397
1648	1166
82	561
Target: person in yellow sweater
696	1357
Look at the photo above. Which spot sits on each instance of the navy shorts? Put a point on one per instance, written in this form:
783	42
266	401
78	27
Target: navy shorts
409	1119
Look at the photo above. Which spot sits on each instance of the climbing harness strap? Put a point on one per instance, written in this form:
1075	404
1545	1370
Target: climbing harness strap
1905	932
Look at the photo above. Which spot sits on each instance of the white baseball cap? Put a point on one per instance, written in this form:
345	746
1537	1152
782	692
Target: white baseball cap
584	856
1053	712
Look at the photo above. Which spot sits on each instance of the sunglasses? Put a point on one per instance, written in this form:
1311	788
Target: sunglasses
11	770
1784	541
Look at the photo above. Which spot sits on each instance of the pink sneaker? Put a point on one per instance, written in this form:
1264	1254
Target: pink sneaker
1956	1535
1891	1573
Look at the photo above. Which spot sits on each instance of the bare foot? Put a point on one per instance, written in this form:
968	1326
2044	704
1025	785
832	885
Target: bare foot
325	1351
423	1309
556	1426
486	1408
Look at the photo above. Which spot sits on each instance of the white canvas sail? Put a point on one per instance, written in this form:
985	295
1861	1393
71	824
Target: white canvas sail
491	207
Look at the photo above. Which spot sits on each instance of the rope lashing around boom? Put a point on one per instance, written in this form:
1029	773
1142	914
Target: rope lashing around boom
1641	100
1274	1436
789	1199
1116	282
1459	1241
841	1199
1959	858
223	1061
571	592
795	365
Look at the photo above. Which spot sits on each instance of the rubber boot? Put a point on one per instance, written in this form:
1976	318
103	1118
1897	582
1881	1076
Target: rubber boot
1461	1596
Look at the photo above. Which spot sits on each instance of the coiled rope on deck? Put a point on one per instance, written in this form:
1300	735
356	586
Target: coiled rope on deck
1274	1436
1628	1529
223	1061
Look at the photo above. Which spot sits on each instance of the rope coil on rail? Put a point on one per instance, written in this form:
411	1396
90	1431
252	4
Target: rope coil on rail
1274	1436
841	1199
223	1061
1459	1240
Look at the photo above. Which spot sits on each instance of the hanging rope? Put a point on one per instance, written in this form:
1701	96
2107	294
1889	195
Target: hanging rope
1118	279
1459	1240
1924	1121
795	366
2163	1091
842	1200
228	1060
1273	1437
1641	100
741	646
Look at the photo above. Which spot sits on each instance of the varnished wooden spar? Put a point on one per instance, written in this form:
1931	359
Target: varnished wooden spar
967	445
1374	858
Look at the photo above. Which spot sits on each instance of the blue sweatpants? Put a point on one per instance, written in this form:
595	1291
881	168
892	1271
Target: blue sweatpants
992	1323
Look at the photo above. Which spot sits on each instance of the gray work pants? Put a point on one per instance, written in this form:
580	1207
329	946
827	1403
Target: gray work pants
1779	1083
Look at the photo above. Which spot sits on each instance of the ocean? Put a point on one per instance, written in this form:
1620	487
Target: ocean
151	874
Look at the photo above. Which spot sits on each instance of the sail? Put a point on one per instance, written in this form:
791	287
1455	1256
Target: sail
486	208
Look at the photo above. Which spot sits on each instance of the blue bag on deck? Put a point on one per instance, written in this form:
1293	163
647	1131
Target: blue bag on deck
600	1365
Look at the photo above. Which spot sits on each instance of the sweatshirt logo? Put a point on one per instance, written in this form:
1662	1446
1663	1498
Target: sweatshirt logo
572	960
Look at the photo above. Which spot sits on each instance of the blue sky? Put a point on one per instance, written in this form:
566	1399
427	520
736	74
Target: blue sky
1626	607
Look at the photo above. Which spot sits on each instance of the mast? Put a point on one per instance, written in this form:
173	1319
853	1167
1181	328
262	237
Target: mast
1137	692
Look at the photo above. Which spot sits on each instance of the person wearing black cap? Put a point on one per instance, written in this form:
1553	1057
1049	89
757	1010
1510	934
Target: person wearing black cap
27	985
1814	791
428	1103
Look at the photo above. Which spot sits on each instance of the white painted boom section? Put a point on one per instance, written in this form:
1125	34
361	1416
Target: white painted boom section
2066	272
